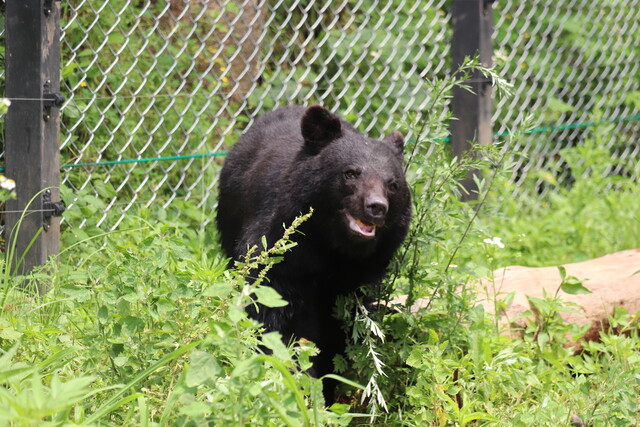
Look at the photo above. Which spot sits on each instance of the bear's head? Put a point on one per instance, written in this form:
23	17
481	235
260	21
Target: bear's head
362	188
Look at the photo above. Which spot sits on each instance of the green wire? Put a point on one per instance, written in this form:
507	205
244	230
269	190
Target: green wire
150	159
559	127
570	126
447	139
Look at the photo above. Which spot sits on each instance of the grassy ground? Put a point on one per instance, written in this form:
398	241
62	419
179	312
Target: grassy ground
146	325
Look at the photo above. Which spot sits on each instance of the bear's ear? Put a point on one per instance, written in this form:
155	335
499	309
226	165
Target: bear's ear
396	140
319	127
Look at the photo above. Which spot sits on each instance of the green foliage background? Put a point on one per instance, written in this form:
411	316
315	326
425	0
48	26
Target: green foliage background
145	325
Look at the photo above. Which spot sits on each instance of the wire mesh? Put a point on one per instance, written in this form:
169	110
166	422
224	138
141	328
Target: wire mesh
577	69
157	79
164	78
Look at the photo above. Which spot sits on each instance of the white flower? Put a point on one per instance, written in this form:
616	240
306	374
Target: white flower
495	241
6	101
7	184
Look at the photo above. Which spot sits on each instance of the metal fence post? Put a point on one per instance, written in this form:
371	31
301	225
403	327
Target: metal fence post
472	28
32	127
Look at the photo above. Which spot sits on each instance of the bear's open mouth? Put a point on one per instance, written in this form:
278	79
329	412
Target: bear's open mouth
361	227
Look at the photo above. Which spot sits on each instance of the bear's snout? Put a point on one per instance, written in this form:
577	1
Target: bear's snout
376	207
375	203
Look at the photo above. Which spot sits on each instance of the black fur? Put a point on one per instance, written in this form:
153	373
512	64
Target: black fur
292	159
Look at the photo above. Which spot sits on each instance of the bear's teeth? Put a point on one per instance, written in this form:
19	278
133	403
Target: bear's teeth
366	228
362	228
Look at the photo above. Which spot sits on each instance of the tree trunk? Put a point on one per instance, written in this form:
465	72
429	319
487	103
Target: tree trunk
236	40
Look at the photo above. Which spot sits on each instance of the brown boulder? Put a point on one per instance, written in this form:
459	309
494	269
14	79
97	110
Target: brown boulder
611	280
614	281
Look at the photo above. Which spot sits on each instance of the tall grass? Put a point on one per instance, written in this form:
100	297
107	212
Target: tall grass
148	326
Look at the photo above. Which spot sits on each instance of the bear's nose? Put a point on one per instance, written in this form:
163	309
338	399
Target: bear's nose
376	207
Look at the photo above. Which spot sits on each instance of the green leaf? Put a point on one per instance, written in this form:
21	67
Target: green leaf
165	306
475	416
339	408
132	325
244	367
543	339
9	333
563	272
103	313
195	409
236	314
202	367
116	38
556	105
218	290
77	276
415	359
120	360
573	286
269	297
68	70
273	341
77	293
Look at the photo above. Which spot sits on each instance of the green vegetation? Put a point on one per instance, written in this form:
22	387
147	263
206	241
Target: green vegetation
596	214
146	325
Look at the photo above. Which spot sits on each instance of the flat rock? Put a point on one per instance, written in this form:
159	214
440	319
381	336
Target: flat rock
610	279
614	281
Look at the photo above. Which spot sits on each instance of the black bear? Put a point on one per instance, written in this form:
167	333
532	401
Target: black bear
288	161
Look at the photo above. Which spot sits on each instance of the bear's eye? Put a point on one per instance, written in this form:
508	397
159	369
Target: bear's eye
351	174
392	186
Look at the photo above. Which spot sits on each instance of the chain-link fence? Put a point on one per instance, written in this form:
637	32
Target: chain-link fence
160	79
157	89
575	66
